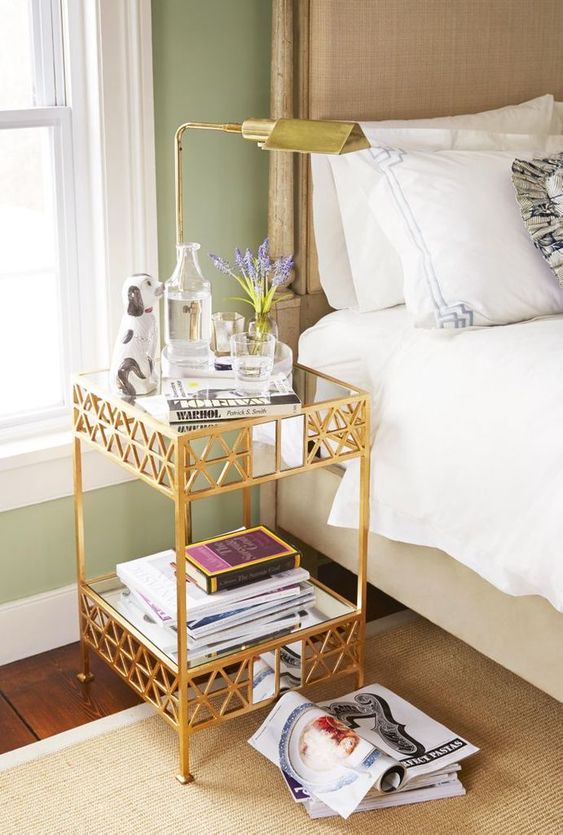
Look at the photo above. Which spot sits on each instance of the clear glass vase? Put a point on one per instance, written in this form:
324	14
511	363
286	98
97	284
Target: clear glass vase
187	318
262	324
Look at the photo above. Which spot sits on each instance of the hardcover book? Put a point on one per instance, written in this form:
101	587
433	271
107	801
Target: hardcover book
188	402
235	559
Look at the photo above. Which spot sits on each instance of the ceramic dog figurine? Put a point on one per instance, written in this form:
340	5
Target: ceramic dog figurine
132	370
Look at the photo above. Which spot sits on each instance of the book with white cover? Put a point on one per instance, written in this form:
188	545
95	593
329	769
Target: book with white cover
211	624
154	577
246	629
166	639
282	625
196	400
266	603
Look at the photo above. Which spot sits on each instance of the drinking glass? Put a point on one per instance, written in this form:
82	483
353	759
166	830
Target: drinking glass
252	357
224	326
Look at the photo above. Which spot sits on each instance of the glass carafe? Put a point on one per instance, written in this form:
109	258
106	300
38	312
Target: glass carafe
187	326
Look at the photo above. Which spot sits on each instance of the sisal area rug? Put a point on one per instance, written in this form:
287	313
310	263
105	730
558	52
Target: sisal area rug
122	782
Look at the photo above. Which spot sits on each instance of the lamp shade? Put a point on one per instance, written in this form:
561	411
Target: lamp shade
306	135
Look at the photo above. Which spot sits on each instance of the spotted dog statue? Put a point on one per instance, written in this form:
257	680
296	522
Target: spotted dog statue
132	370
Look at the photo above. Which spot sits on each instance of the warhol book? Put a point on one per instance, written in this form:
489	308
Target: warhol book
238	558
189	402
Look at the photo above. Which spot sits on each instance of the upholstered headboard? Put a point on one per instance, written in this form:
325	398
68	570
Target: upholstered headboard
386	59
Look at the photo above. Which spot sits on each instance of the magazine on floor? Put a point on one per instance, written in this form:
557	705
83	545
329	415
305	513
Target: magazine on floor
370	739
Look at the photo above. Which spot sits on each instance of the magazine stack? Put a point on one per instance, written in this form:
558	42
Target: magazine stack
242	588
368	750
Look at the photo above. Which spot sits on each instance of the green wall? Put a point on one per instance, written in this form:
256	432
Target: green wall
211	63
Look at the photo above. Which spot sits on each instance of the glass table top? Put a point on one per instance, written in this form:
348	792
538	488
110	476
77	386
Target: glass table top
311	387
323	607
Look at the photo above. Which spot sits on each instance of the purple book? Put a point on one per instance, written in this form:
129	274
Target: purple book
239	558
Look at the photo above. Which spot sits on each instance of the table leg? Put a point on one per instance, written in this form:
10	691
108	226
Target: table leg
247	506
84	675
363	533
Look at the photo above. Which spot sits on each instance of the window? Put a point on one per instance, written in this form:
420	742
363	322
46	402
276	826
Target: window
77	215
38	344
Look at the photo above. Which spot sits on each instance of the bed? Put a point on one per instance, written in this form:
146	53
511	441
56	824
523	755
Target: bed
405	59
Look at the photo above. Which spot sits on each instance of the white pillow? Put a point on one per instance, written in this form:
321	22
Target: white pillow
467	257
336	273
375	264
332	255
557	120
532	116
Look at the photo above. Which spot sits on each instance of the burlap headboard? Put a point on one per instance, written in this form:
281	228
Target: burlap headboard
385	59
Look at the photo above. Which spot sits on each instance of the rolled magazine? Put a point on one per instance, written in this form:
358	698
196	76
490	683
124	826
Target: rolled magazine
368	742
331	761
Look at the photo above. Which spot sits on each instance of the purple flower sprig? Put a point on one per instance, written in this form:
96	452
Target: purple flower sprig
260	276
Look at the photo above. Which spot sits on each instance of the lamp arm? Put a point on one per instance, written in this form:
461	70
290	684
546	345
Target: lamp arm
225	127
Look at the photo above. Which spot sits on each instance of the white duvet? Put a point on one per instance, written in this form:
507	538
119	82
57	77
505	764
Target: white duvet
468	440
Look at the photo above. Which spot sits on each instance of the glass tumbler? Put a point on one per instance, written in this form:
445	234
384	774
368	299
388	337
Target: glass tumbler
252	358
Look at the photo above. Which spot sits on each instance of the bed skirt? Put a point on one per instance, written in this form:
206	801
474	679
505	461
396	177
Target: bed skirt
523	634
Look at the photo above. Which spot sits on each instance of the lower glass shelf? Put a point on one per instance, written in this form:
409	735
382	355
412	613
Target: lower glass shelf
324	607
324	643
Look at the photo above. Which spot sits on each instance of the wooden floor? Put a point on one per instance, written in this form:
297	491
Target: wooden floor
41	696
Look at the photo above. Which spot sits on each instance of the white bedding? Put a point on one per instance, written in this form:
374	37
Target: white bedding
468	439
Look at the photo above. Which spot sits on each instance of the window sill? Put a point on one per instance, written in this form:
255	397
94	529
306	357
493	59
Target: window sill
39	469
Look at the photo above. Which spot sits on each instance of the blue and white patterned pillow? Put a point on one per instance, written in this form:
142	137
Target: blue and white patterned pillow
539	191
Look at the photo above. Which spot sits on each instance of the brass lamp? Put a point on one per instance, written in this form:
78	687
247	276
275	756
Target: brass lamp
300	135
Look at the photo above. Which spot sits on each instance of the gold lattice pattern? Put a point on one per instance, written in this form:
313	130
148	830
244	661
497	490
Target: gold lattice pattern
145	673
223	458
336	650
225	691
336	431
130	442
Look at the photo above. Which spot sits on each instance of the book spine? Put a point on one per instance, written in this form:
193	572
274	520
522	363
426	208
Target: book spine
251	573
230	413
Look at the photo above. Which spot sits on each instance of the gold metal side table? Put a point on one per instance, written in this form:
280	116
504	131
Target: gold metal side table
188	464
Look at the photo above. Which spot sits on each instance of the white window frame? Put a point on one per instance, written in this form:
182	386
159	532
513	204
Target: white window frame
58	119
107	144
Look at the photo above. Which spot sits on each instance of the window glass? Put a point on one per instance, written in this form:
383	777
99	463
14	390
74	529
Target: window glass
32	372
16	55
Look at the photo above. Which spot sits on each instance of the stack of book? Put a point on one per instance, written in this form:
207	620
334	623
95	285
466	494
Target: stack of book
242	587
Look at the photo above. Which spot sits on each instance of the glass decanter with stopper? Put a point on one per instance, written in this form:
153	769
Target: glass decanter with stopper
187	326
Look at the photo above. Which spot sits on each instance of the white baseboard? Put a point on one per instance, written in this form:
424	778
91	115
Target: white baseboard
39	623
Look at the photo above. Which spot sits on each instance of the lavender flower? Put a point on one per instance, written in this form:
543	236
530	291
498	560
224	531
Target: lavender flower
239	261
221	264
264	262
249	264
258	275
282	271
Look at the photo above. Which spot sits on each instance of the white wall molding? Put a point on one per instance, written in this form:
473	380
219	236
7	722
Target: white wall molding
40	470
39	623
110	81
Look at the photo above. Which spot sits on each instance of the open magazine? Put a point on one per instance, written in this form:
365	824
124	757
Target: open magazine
370	740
